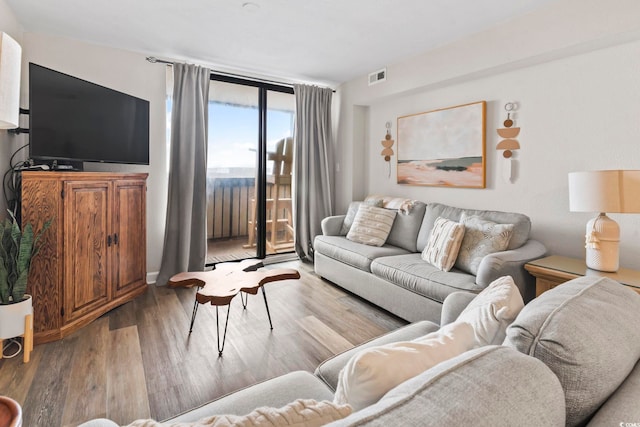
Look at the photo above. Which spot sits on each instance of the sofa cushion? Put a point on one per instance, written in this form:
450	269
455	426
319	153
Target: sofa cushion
493	310
489	386
404	233
352	253
622	404
372	372
411	272
522	223
585	330
444	243
349	217
371	225
481	238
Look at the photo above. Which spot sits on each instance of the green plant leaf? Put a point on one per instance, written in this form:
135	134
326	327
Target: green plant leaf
17	249
4	285
22	263
20	286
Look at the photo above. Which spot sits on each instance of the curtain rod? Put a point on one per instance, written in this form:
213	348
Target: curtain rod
154	60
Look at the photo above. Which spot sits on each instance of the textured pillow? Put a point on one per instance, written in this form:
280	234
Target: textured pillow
372	372
481	238
493	310
301	413
444	243
371	225
353	210
586	331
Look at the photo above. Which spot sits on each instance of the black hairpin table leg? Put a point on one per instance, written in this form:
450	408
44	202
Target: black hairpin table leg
267	306
193	313
224	336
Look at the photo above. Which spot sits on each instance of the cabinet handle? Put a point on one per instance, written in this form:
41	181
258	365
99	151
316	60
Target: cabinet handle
109	240
115	238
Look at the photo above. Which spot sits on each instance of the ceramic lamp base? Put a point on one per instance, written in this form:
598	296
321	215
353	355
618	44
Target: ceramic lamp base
602	238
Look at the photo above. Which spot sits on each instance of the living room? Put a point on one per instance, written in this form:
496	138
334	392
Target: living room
571	67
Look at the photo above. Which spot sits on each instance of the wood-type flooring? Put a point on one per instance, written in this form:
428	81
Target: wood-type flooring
138	360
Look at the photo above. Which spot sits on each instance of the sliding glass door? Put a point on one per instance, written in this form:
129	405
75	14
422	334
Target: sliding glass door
249	163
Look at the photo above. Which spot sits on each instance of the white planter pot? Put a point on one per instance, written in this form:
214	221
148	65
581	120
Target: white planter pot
12	317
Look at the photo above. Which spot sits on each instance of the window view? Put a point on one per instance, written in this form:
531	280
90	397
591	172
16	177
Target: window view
232	171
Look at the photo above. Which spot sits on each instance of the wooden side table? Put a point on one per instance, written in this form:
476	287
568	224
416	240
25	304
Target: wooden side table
554	270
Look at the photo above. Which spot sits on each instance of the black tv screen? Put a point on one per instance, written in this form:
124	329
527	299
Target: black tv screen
75	120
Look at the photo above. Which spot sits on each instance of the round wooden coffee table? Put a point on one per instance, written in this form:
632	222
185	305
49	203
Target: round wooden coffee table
220	285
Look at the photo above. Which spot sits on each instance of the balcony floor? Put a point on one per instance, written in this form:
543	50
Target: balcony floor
231	249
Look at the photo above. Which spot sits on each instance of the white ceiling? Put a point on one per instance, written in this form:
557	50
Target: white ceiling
323	41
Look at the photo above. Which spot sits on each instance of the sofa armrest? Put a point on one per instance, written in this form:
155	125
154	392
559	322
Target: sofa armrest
511	263
332	225
453	305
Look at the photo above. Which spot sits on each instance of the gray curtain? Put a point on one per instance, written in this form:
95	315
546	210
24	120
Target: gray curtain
313	166
185	237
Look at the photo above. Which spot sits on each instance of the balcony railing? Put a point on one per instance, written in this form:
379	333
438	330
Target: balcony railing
231	216
229	203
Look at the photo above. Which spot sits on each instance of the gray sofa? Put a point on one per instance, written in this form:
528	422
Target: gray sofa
395	277
571	357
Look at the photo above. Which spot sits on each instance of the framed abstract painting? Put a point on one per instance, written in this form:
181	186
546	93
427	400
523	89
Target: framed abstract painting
444	147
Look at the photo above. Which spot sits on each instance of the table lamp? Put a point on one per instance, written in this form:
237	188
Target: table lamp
613	191
10	53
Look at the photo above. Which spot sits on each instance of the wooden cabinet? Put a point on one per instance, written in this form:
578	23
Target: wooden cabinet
93	257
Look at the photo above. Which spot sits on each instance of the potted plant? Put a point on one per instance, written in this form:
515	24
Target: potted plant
17	248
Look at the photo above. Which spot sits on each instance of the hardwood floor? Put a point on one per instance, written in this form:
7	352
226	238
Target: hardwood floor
138	360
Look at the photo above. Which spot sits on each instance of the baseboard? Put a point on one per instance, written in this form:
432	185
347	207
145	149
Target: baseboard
152	277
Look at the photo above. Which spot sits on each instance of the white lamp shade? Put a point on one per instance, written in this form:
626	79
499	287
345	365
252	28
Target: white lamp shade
616	191
10	59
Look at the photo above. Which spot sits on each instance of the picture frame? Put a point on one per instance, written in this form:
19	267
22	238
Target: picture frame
444	147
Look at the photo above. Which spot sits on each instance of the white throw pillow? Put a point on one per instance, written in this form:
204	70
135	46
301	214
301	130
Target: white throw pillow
372	372
444	243
495	308
301	413
481	238
371	225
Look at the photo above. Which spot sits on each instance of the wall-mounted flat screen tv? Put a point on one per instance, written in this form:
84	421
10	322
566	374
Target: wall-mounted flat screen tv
74	120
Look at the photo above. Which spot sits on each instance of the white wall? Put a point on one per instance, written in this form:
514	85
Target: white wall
579	105
126	72
8	24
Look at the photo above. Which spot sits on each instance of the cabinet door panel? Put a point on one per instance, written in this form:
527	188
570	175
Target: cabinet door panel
87	222
130	227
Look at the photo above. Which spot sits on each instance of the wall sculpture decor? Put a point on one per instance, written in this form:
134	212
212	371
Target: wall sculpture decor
387	151
509	144
444	147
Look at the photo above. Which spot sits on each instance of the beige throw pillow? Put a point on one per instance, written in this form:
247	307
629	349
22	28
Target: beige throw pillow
371	225
301	413
444	243
495	308
372	372
481	238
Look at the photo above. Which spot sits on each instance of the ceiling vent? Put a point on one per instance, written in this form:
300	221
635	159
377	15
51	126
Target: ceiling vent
378	76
